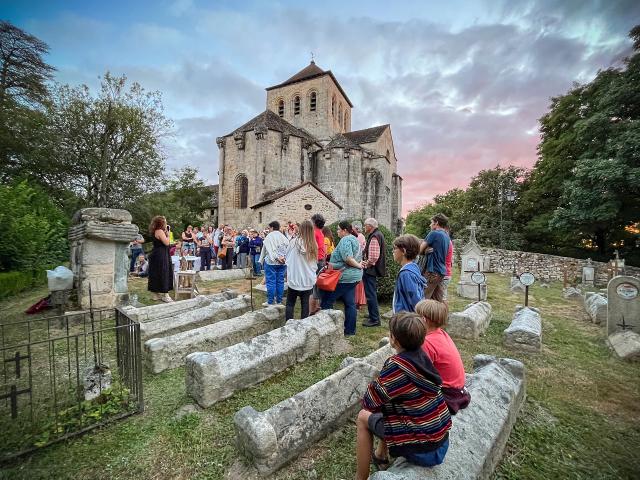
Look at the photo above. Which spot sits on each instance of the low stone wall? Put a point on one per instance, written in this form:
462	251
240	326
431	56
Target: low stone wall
546	267
195	318
272	438
211	377
471	322
164	310
525	332
169	352
480	432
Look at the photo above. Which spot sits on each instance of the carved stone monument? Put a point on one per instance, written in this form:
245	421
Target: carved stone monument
472	261
588	274
99	239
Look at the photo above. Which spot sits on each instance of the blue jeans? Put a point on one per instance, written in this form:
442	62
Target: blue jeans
135	253
371	291
347	293
257	268
274	276
429	459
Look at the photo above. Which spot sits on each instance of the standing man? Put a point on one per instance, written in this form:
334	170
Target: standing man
273	253
217	237
374	265
436	262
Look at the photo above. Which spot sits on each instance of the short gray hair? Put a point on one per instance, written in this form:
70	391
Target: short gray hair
372	222
357	225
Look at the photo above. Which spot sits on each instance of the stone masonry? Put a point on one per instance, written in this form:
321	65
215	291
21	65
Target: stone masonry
214	376
546	267
199	317
480	432
525	332
99	239
272	438
170	351
471	322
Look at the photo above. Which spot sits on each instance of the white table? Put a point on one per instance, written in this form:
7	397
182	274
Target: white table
176	263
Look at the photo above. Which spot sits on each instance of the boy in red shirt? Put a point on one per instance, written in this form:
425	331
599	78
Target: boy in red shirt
443	354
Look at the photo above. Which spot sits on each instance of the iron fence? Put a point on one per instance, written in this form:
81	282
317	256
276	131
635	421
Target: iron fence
65	375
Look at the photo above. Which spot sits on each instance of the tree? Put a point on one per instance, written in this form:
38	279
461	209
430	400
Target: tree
23	72
105	150
182	202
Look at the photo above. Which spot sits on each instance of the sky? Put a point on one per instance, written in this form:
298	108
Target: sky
462	83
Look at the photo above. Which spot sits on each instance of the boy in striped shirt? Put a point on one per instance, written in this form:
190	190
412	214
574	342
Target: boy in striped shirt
404	406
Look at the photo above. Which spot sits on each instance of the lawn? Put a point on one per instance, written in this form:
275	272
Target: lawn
581	418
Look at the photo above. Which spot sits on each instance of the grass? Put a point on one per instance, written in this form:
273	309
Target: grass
581	418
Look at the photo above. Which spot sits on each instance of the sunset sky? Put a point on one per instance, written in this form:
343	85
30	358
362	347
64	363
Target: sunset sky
461	83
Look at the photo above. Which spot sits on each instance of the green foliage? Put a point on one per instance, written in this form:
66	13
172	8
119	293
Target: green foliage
182	202
12	283
386	285
34	230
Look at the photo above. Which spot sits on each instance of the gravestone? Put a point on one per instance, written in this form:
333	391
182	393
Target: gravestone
472	261
471	322
525	332
99	239
623	308
572	293
515	285
588	274
596	306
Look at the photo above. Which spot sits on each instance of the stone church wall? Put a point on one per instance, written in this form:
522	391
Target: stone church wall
291	207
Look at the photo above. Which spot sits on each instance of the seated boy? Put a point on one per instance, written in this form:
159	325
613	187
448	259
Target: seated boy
404	406
443	354
410	284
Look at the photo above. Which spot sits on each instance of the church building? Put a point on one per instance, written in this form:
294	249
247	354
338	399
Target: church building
300	157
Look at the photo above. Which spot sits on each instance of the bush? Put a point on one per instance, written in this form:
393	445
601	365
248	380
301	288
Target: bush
12	283
386	285
34	230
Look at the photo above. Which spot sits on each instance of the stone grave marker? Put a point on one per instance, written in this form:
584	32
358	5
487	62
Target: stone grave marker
589	274
623	307
472	261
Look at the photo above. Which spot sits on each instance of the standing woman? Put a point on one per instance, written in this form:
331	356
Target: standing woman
301	261
205	242
160	267
345	257
227	244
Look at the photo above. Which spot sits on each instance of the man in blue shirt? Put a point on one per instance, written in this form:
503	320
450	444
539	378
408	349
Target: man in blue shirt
438	241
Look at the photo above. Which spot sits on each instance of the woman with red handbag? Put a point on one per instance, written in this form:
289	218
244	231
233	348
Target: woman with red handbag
346	258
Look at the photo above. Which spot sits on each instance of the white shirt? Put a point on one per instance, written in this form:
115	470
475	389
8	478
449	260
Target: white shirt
301	272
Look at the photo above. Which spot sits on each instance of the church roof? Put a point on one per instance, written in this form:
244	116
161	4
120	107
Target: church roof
272	121
293	189
309	72
368	135
341	141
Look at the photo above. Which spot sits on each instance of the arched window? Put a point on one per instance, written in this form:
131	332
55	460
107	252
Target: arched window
312	102
339	113
296	105
281	108
241	191
333	106
344	123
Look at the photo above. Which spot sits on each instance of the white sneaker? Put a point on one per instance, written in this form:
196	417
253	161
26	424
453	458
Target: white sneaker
266	304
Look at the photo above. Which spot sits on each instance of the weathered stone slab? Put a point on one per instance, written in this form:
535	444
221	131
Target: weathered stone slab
195	318
516	286
596	306
231	274
626	345
525	331
156	312
214	376
480	432
623	311
470	290
263	288
169	352
572	293
272	438
471	322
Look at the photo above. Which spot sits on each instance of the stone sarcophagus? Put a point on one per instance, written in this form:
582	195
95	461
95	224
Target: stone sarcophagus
99	239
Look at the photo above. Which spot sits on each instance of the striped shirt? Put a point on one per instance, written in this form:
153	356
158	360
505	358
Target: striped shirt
407	392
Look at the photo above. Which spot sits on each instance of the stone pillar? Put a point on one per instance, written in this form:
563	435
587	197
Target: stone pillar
99	239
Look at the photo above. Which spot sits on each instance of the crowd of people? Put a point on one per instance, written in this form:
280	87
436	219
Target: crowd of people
409	406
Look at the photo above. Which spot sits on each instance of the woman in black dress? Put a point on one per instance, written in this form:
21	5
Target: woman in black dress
160	266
